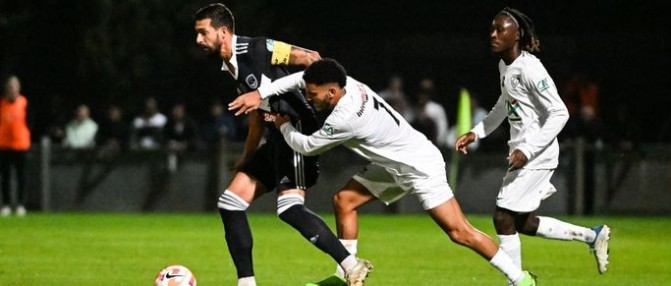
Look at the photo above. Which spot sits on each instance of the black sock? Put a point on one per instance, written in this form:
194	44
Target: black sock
315	230
239	240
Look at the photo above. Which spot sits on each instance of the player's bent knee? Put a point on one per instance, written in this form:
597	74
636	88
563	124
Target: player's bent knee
232	202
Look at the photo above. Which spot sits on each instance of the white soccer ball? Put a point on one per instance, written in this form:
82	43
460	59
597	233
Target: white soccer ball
175	275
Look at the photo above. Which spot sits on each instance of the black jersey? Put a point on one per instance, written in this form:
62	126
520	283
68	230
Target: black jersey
260	61
257	64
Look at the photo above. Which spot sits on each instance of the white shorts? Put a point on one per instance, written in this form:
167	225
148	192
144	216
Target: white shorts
523	190
387	187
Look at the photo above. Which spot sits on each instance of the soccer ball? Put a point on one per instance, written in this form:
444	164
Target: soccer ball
175	275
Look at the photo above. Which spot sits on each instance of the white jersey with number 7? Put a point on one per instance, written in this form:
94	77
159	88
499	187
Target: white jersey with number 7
366	124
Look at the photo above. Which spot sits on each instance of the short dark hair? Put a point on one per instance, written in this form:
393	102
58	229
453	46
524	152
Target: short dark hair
219	15
324	71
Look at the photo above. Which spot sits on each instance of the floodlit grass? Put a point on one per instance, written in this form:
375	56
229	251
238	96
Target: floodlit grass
129	249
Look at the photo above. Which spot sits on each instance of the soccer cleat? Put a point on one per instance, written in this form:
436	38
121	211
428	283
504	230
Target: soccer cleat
529	279
5	211
600	247
357	275
333	280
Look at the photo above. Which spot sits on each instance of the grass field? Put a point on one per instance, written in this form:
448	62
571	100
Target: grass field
129	249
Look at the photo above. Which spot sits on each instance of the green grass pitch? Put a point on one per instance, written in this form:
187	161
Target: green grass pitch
129	249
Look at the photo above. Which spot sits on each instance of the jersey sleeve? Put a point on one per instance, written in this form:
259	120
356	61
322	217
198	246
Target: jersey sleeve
545	98
335	131
282	85
492	120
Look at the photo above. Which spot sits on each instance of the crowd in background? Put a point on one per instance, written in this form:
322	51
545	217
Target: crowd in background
427	106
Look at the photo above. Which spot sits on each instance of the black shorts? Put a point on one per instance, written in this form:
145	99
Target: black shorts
277	166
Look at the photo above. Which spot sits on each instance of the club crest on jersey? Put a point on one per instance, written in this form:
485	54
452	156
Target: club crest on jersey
515	81
328	129
251	81
542	85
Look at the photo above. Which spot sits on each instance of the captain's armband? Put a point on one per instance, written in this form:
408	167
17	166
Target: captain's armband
281	53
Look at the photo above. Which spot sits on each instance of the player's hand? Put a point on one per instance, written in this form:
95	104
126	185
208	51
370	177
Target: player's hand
246	103
281	119
463	141
516	160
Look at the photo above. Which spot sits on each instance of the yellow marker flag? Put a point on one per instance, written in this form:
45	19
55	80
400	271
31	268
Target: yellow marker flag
464	125
464	113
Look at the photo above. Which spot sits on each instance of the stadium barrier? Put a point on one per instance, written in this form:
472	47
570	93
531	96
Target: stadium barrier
588	181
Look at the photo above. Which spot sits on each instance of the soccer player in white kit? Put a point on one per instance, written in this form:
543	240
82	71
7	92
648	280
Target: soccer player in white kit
399	155
536	114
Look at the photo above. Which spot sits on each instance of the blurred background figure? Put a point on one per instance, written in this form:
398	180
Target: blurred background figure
181	131
397	99
147	132
114	132
14	144
180	134
220	125
429	110
80	132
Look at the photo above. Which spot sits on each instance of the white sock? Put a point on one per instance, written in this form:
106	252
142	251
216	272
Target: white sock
555	229
247	281
503	263
351	246
349	262
511	245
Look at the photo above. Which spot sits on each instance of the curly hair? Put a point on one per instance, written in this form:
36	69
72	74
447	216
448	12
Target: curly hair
324	71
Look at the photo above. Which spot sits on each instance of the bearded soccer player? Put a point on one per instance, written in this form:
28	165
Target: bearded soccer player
252	63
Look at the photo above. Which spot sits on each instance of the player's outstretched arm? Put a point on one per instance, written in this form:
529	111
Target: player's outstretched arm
302	56
246	102
250	101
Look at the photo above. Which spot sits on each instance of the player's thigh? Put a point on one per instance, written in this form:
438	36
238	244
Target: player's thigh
380	184
352	196
246	187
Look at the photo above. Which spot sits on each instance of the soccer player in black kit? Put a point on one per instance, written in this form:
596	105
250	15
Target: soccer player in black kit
273	165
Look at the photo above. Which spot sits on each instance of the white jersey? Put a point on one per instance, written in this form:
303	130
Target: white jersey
363	122
534	109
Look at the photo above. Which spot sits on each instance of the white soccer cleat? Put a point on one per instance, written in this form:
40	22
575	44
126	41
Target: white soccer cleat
600	247
357	275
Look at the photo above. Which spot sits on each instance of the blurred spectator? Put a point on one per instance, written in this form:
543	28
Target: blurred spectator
181	131
80	132
220	124
393	94
114	132
14	144
148	127
581	96
427	109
